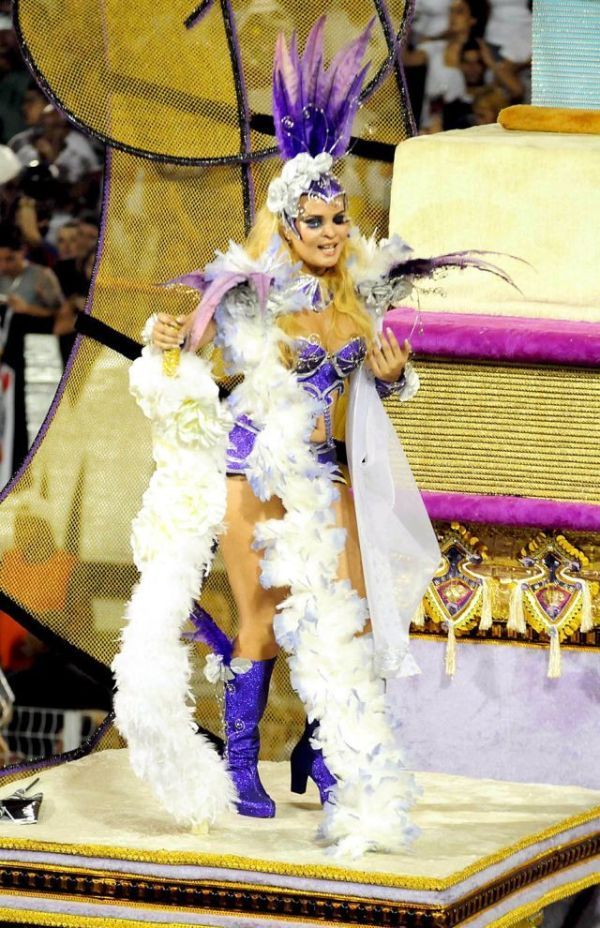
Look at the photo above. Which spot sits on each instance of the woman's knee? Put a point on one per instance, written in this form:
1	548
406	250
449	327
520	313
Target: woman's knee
256	642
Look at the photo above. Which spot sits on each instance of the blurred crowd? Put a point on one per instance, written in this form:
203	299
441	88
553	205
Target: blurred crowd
50	190
50	198
466	60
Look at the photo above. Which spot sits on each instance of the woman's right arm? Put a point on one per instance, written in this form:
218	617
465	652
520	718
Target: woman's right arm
171	331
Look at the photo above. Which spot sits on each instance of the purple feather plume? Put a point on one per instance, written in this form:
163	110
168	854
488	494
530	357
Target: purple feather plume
208	631
313	108
427	267
345	66
193	279
312	60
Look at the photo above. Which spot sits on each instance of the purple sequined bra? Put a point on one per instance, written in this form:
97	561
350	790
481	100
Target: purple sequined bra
322	375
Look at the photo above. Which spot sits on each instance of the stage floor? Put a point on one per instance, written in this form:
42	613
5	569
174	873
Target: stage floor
489	853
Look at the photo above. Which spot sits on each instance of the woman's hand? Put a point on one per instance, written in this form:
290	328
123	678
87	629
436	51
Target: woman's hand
387	359
169	331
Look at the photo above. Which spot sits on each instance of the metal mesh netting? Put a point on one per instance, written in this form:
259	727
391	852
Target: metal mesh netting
135	74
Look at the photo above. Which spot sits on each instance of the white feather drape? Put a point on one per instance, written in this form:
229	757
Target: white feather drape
172	539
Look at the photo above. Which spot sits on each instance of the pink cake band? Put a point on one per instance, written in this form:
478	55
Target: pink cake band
502	338
512	510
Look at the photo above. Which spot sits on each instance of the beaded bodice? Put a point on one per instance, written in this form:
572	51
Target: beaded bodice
322	374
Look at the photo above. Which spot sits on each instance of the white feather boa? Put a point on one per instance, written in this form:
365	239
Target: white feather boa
172	538
331	669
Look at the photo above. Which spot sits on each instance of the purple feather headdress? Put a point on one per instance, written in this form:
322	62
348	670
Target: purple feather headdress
313	108
313	111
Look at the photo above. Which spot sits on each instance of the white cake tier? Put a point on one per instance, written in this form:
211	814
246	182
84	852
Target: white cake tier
532	195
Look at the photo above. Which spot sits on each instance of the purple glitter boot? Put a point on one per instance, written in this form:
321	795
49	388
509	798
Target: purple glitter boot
245	701
307	762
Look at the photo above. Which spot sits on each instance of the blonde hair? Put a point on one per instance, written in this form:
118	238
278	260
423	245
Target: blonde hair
345	304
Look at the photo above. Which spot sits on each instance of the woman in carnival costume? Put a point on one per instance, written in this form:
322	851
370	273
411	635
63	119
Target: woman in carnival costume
298	312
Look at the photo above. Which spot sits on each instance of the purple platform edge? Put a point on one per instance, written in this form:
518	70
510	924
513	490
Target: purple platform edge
504	338
512	510
499	338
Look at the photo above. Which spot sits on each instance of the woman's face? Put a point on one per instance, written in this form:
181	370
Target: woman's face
461	18
323	229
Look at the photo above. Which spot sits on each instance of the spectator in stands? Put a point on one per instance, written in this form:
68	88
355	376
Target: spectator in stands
458	113
56	143
32	219
445	81
88	230
33	105
14	80
472	65
461	23
501	74
487	106
77	285
40	218
433	19
42	204
481	73
430	20
70	271
508	30
67	240
30	296
75	275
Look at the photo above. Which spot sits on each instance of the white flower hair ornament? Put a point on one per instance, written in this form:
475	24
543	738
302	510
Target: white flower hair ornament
300	176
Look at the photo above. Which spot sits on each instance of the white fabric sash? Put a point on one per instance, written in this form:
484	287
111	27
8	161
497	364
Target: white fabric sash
399	550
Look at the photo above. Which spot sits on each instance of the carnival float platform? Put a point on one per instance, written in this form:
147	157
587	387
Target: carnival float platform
504	442
490	853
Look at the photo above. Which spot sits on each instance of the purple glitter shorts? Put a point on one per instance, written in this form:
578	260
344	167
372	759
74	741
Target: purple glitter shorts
241	442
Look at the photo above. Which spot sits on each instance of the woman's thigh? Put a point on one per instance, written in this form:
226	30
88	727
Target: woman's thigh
350	564
255	605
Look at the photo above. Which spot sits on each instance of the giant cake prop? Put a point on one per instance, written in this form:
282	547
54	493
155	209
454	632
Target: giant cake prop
504	437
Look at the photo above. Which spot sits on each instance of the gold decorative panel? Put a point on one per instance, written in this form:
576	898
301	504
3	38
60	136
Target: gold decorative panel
493	429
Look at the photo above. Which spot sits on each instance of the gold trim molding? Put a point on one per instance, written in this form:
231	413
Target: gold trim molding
271	902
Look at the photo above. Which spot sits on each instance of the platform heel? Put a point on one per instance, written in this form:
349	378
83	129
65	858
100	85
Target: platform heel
307	761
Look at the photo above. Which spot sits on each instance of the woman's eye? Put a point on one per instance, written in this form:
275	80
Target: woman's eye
313	223
340	220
